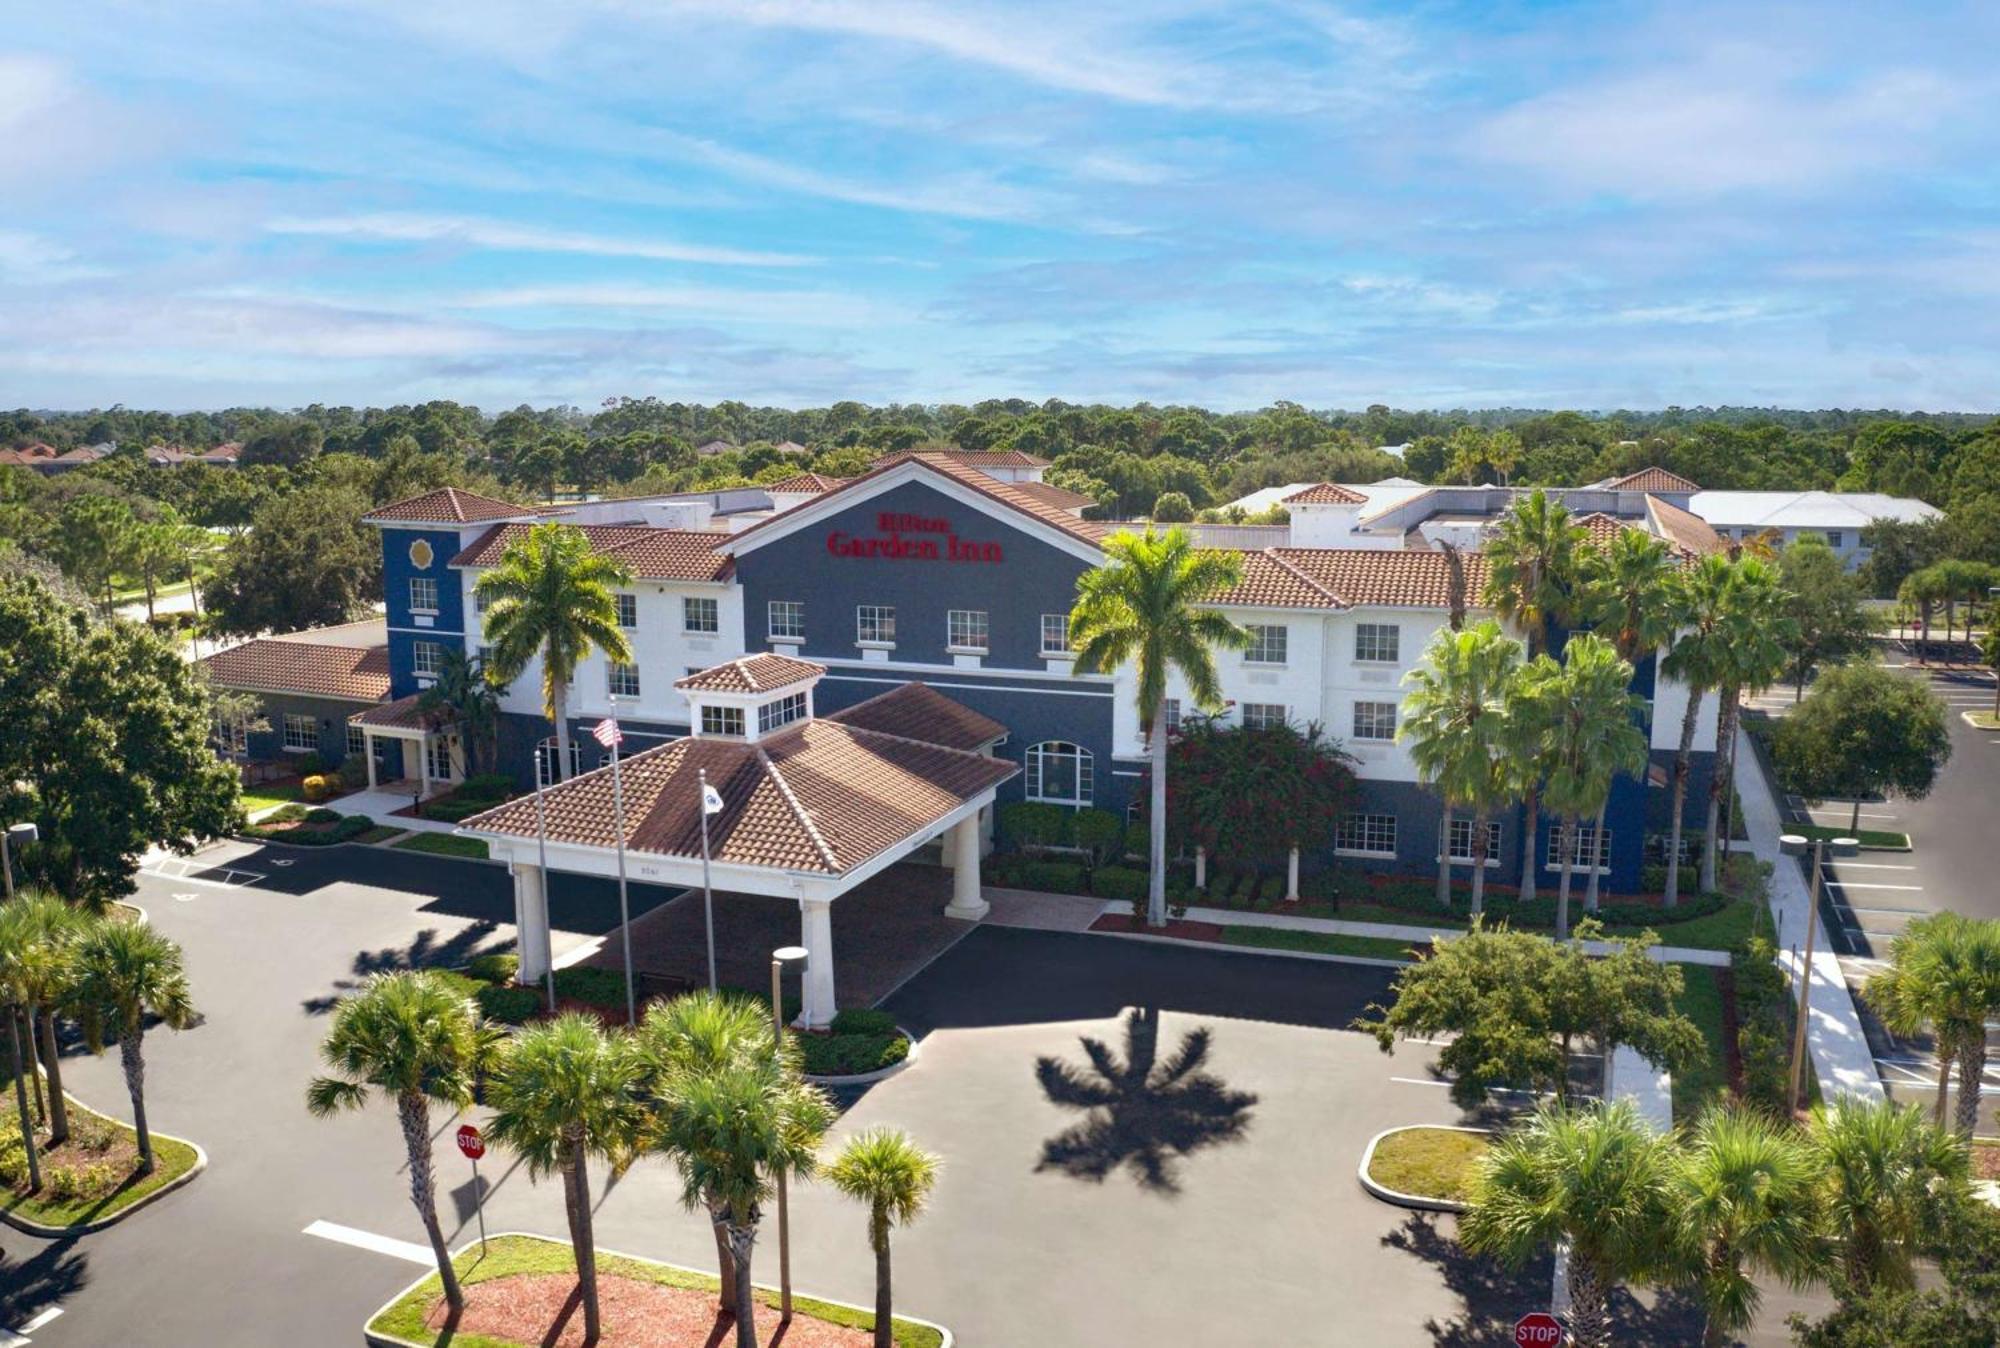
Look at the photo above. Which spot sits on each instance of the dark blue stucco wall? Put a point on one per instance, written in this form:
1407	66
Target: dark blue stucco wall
448	628
331	716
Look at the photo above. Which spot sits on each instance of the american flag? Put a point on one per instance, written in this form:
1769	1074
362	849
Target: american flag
607	733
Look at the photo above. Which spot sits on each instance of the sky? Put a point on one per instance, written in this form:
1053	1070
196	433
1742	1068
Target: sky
795	202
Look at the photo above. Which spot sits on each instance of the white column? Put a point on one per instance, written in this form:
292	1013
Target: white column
531	921
1201	868
816	935
1292	877
368	740
962	845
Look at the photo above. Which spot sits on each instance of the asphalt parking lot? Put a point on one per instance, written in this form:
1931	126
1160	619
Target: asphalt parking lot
1224	1214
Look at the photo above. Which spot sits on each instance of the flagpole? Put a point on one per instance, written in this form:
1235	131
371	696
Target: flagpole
542	859
707	893
624	908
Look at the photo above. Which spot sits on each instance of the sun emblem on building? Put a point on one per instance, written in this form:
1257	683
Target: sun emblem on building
421	555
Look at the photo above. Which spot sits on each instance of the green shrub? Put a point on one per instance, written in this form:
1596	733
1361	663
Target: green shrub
508	1004
459	983
1764	1017
1033	824
500	967
839	1055
322	815
487	786
285	814
455	810
13	1157
319	786
308	764
1139	840
353	771
1119	882
865	1021
594	987
1099	832
1055	877
1653	879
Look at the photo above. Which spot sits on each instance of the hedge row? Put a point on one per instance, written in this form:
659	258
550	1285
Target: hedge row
1067	877
325	827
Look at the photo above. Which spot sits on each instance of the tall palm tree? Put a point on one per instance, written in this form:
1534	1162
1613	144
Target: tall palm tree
1457	718
1588	714
42	965
466	698
1755	631
562	1093
1696	661
1746	1196
1145	608
414	1039
1886	1173
731	1132
893	1175
703	1032
17	934
1944	976
1627	597
1596	1178
553	596
1532	573
125	972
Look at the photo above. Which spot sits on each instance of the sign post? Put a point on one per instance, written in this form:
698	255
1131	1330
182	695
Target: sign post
474	1147
1537	1329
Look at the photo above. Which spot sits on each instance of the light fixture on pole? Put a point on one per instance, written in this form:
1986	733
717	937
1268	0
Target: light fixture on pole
607	733
17	835
782	956
711	803
1794	845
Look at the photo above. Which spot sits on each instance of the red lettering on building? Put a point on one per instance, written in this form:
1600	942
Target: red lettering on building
891	544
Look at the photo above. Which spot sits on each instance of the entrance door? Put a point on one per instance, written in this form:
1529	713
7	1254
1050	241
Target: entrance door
388	759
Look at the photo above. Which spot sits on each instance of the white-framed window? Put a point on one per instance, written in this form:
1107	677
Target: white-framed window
1263	715
232	737
480	603
1461	841
357	739
426	657
1055	634
785	619
1834	538
423	594
1374	720
621	680
700	615
1173	715
628	612
437	758
301	732
1059	773
722	721
876	623
965	629
1378	643
1586	830
1267	644
1365	835
783	712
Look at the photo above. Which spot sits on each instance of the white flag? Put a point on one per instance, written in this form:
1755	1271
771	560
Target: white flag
711	799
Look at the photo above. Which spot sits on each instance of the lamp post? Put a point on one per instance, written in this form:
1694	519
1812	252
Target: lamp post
1794	845
17	835
782	956
545	752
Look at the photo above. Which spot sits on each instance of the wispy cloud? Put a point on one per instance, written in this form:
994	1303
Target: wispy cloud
500	235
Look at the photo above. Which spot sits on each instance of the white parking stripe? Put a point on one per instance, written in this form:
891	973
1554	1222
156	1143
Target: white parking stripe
42	1319
368	1240
1869	866
1855	884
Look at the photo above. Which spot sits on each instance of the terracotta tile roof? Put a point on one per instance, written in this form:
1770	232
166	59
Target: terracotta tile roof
992	458
1358	576
818	796
1684	529
1061	497
1653	479
653	554
446	505
274	665
804	482
1270	582
751	674
405	713
917	711
1326	493
1601	527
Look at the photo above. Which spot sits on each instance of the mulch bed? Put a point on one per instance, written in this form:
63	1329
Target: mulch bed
546	1309
1176	927
1986	1161
1732	1051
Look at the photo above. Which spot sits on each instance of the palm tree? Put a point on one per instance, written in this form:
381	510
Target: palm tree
1755	632
465	697
1588	713
731	1132
562	1093
17	934
1886	1173
893	1175
1458	720
1746	1195
553	596
1145	608
696	1033
1944	976
413	1038
1597	1179
41	965
1532	572
1627	597
1697	662
125	972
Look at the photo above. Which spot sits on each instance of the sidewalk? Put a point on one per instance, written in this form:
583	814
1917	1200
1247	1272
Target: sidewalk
1841	1056
381	806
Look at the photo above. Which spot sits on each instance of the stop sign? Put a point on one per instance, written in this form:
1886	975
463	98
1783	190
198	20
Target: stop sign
1538	1329
474	1146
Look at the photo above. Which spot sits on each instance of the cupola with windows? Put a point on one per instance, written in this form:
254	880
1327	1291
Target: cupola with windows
750	698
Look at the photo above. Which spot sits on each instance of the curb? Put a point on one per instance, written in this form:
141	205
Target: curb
34	1228
1230	947
382	1340
1397	1196
867	1078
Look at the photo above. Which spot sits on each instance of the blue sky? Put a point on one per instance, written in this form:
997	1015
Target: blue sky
798	201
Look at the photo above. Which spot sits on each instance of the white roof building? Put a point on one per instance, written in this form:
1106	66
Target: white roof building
1839	515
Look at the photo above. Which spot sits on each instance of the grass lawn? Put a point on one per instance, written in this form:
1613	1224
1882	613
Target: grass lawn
508	1256
264	797
95	1141
443	844
1869	837
1708	1081
1982	720
1318	943
1721	930
1428	1162
380	833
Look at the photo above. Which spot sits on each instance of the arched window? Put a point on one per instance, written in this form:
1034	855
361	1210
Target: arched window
1059	773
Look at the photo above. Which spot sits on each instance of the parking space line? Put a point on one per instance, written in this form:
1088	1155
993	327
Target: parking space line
42	1319
1871	866
1856	884
368	1240
1888	912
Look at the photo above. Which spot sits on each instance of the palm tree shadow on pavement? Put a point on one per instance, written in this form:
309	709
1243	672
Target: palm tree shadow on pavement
1145	1114
425	951
50	1275
1494	1296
